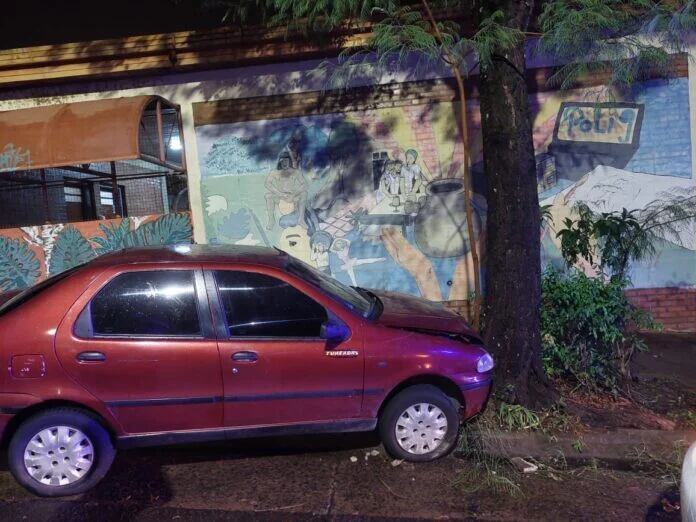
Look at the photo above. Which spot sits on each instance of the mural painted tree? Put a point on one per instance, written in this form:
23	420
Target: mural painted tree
19	267
623	39
114	235
70	249
169	229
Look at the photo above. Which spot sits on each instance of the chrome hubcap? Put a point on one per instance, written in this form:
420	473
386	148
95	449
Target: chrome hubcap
58	456
421	428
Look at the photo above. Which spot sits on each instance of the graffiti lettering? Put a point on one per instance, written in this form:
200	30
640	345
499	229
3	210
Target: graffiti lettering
598	124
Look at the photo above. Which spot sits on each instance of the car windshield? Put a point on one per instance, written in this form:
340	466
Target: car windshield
359	301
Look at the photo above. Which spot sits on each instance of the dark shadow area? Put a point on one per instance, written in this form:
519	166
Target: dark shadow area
43	22
76	511
666	507
136	482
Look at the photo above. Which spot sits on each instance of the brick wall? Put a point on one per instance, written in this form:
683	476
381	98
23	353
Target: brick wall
665	137
674	308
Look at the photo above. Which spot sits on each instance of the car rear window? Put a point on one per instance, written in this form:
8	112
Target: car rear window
159	303
33	291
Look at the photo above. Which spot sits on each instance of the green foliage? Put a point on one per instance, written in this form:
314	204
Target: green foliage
646	31
70	249
579	445
114	237
669	214
690	420
613	239
515	417
400	29
586	326
494	38
166	230
576	238
610	241
19	267
621	238
546	216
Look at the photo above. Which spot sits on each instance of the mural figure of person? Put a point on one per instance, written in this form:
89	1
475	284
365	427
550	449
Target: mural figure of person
286	183
320	244
391	183
292	148
412	174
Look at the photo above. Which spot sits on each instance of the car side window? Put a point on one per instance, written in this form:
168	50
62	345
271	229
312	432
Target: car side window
257	305
147	303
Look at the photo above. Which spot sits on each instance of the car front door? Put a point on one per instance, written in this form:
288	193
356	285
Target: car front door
276	367
144	345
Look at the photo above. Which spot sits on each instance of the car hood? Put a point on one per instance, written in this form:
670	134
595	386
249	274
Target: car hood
414	313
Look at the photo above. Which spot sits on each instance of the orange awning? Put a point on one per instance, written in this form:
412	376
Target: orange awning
73	133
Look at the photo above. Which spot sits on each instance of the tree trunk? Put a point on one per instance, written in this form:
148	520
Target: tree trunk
513	270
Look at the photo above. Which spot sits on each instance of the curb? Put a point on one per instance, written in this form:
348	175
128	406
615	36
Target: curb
617	447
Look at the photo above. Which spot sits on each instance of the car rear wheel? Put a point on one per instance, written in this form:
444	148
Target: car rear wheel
58	452
419	424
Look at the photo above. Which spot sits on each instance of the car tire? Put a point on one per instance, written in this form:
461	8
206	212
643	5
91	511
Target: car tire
419	424
70	433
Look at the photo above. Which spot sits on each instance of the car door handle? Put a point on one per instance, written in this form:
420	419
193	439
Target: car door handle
245	356
91	357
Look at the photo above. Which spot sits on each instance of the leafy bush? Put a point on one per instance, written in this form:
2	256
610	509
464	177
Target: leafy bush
587	329
611	241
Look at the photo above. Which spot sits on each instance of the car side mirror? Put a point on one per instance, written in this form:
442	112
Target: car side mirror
334	331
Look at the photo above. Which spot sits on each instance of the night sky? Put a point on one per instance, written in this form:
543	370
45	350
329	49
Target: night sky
25	23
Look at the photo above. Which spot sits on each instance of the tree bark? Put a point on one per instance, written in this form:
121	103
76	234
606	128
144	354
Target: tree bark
512	315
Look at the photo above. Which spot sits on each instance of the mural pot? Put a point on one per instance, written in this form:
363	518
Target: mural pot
440	225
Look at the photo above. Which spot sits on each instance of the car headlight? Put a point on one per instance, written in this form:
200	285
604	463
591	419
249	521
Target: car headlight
485	363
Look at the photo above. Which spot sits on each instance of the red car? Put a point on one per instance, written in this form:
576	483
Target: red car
154	346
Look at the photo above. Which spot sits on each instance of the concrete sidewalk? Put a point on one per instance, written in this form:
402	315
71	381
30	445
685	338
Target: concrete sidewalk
620	448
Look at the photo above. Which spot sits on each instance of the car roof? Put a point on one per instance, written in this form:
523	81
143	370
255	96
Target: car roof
187	253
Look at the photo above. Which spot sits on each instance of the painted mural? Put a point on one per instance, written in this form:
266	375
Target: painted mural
30	254
374	197
614	151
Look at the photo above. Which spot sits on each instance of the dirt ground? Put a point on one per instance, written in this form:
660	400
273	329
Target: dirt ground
289	480
307	478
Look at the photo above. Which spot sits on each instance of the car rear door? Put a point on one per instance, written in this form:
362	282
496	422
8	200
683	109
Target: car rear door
276	368
143	344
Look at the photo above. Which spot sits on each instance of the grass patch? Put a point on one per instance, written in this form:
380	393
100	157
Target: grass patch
487	471
481	445
665	468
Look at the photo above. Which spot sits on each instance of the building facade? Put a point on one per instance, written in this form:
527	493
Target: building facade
365	182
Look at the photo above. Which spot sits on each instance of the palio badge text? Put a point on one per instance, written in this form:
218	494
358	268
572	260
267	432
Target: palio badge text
342	353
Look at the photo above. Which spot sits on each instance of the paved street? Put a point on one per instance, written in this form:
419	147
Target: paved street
296	479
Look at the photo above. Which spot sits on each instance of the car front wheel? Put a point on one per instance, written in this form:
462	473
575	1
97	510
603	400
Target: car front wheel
419	424
58	452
